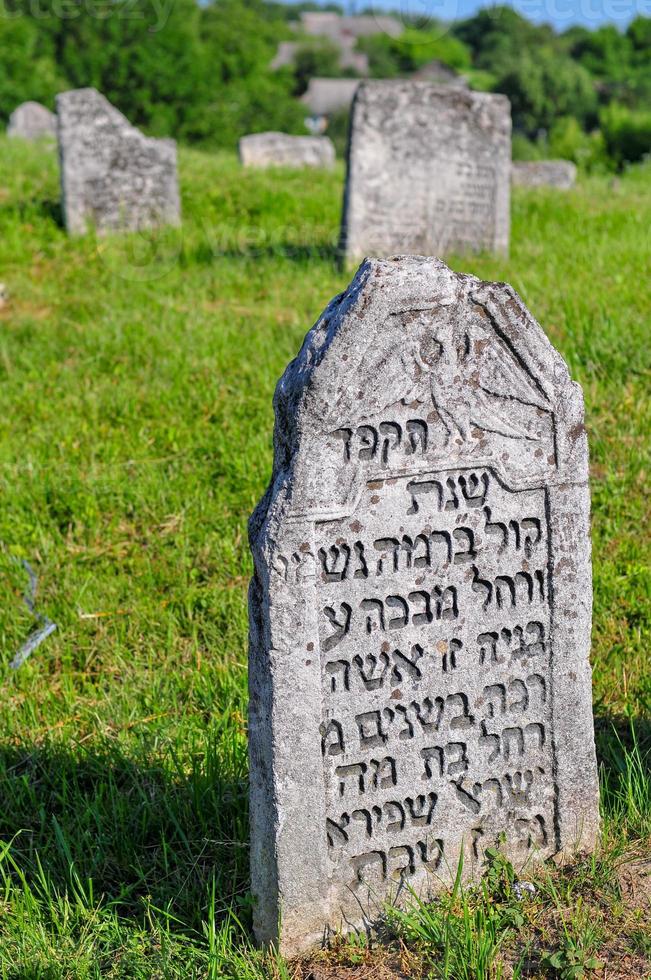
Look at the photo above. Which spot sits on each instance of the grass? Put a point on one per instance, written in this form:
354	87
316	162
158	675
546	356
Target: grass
136	377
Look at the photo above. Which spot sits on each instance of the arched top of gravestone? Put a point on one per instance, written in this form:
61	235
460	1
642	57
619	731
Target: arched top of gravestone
32	121
414	346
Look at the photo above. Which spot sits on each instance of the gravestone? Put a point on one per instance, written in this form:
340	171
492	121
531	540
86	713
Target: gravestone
325	96
283	150
112	177
32	121
421	603
544	173
428	171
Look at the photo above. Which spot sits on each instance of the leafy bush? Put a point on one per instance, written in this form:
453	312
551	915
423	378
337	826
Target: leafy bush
497	37
316	57
627	133
546	86
391	57
569	142
25	73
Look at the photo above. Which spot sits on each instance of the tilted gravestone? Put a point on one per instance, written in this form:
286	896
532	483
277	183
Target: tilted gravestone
112	177
544	173
421	603
283	150
32	121
428	171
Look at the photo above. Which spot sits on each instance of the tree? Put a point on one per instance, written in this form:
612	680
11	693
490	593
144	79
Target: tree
546	86
627	133
390	57
25	72
497	36
315	58
605	53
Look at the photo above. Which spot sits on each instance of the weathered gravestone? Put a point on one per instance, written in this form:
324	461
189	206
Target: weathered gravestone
428	171
544	173
283	150
421	602
112	177
32	121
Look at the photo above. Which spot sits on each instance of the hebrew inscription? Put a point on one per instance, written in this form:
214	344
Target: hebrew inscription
434	630
420	608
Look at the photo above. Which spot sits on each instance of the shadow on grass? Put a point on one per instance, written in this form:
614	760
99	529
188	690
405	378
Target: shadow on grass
127	833
156	834
25	210
298	252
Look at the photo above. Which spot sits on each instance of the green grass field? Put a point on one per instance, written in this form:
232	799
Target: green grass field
136	378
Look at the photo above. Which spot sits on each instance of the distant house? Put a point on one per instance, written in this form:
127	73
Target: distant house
343	32
334	26
327	95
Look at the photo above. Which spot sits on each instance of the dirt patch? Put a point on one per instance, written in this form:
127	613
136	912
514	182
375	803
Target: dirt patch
635	882
369	971
377	964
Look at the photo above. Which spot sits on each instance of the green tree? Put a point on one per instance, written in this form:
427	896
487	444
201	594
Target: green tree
390	57
627	133
26	73
639	34
315	58
244	96
497	36
547	86
606	53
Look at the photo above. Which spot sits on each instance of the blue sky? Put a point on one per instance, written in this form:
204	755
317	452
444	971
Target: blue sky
560	13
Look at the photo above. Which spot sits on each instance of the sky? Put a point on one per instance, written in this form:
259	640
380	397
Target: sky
561	13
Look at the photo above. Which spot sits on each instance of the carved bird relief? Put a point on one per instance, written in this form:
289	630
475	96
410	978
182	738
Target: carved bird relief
478	382
472	376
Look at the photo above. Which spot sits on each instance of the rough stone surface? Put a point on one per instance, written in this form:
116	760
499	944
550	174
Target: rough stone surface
283	150
32	121
544	173
112	177
428	171
421	603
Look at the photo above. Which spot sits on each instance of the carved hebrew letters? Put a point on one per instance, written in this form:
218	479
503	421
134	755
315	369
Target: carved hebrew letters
434	625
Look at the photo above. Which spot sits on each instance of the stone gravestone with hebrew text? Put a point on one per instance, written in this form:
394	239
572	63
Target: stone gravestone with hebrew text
420	608
429	171
113	178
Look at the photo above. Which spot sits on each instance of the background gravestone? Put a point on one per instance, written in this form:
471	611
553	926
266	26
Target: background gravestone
544	173
283	150
112	177
428	171
32	121
421	603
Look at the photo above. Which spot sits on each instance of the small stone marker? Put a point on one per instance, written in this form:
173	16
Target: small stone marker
32	121
544	173
421	603
112	177
428	171
283	150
